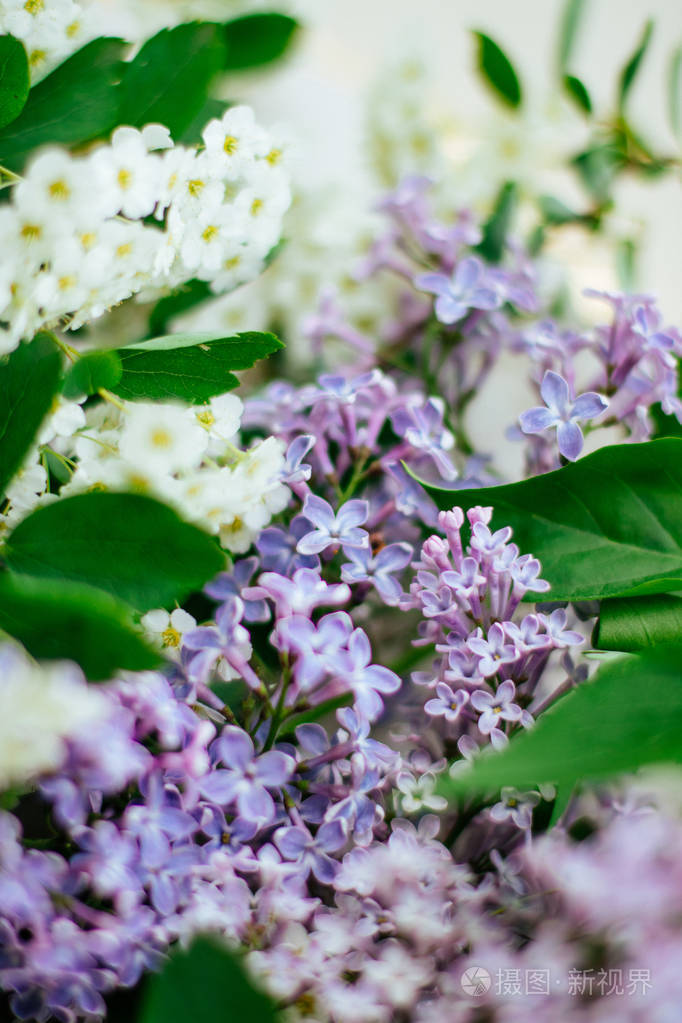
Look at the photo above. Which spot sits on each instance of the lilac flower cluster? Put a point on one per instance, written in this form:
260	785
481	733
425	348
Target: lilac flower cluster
489	666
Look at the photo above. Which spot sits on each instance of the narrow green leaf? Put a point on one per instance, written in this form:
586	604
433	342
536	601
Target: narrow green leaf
77	102
496	68
570	21
631	69
578	93
608	525
627	716
168	80
634	623
14	79
131	546
205	984
92	371
626	261
191	367
29	381
554	211
498	224
65	620
183	298
597	168
257	39
315	713
675	93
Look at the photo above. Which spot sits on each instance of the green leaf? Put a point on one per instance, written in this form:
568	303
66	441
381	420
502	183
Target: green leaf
205	984
185	297
131	546
14	79
554	211
29	380
66	620
91	372
597	168
257	39
190	367
578	93
570	21
167	82
634	623
664	425
627	716
498	71
497	226
608	525
626	263
77	102
629	72
675	93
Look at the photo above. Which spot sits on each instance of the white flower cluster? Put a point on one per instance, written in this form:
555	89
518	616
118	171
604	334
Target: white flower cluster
77	232
185	456
50	30
40	708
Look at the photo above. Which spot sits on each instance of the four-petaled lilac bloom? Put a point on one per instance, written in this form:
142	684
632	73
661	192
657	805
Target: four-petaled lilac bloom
295	469
422	427
557	631
563	413
515	806
231	584
297	844
447	705
378	569
277	548
333	530
494	709
466	289
301	594
247	777
365	679
493	651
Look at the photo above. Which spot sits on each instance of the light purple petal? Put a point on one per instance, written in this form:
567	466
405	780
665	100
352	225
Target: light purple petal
319	512
449	309
274	768
533	420
554	391
467	273
255	804
588	405
331	836
314	543
219	786
570	440
352	513
439	284
291	842
234	747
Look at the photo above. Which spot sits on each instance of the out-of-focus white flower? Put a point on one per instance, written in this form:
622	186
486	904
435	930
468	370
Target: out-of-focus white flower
41	707
160	439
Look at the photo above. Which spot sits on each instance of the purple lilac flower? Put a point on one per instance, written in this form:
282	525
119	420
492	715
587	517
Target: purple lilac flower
247	777
496	708
422	427
312	853
159	821
231	584
365	679
295	469
333	530
515	806
301	594
378	569
563	413
226	639
318	647
447	704
466	289
277	548
492	651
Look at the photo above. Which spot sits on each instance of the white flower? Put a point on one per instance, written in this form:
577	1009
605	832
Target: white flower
127	173
168	629
221	417
160	439
234	142
40	708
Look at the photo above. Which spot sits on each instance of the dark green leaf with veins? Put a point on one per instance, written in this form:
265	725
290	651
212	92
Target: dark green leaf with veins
14	79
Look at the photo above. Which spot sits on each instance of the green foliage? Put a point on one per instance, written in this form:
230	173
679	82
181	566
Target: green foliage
168	80
664	425
185	297
91	372
496	227
608	525
66	620
77	102
631	69
498	71
14	79
205	984
554	211
191	135
133	547
625	717
191	367
626	260
570	22
578	93
635	623
257	39
29	381
597	168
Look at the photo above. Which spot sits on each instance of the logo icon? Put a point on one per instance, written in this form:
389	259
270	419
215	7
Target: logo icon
476	981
